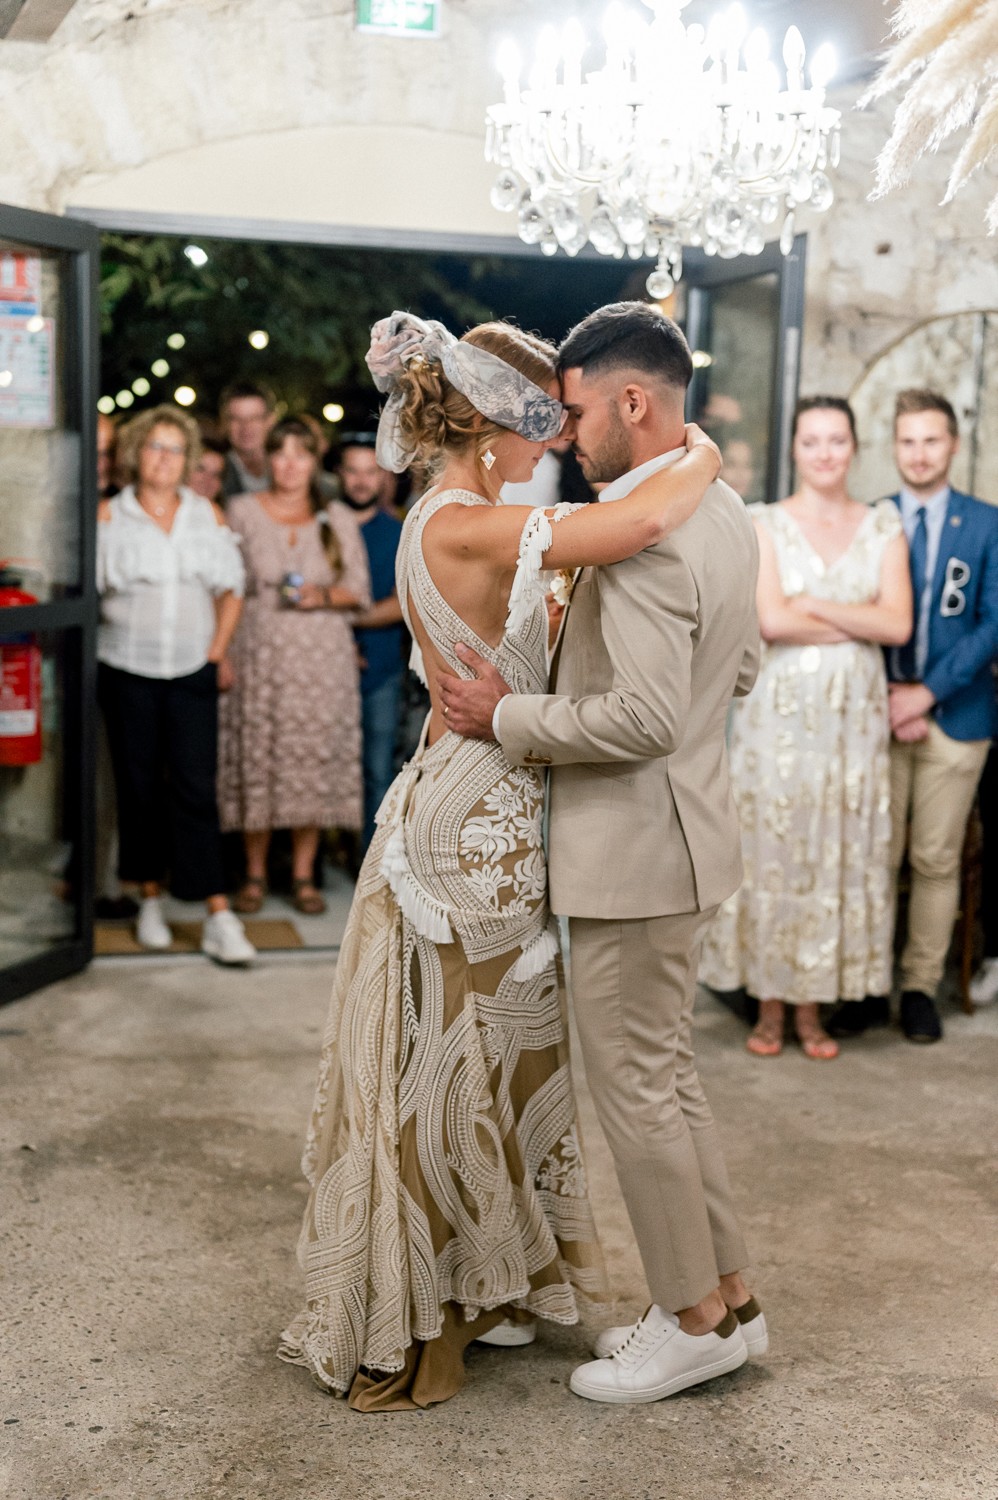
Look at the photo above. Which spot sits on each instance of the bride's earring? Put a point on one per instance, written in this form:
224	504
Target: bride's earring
488	458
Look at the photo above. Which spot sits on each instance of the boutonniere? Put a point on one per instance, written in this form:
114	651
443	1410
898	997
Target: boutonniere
561	587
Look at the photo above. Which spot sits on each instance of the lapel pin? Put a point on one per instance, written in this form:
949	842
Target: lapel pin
954	520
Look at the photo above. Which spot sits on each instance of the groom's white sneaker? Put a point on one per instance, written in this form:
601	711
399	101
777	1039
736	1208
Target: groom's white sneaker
658	1359
750	1315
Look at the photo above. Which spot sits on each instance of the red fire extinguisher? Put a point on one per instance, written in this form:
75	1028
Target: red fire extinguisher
20	686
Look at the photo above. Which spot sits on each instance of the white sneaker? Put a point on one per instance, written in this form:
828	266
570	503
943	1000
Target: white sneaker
754	1332
509	1335
151	930
984	985
224	939
657	1360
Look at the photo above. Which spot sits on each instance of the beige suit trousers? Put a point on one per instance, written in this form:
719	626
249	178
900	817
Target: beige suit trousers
933	783
633	987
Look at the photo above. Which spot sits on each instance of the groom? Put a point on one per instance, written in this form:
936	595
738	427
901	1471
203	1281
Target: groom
644	841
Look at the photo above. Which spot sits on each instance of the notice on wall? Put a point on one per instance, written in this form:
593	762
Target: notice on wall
20	284
399	17
27	372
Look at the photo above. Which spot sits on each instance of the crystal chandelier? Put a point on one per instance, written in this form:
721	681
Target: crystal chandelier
683	137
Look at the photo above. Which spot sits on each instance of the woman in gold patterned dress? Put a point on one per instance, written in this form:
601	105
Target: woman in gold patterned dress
448	1195
813	919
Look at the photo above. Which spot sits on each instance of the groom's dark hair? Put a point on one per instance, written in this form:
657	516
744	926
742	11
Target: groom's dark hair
629	336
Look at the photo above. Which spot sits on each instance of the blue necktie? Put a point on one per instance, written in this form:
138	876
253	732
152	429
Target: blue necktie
919	553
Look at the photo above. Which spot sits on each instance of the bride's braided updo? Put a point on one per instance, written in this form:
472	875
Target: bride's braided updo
436	417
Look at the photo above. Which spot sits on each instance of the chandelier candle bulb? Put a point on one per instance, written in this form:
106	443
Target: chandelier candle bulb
824	64
793	56
756	50
509	68
573	46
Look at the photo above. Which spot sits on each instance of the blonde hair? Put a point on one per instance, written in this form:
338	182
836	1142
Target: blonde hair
133	437
436	417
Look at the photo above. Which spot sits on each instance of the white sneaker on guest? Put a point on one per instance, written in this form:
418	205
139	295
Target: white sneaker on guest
151	930
750	1316
658	1359
224	939
984	985
509	1335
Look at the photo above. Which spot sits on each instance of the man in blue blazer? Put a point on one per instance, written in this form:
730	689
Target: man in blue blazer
942	696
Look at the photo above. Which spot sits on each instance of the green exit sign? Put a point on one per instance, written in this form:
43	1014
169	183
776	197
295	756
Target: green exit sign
399	17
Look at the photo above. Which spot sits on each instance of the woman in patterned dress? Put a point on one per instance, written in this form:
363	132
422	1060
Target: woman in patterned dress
448	1194
289	752
813	920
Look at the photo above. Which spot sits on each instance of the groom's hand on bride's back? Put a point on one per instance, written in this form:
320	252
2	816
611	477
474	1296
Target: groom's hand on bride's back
470	705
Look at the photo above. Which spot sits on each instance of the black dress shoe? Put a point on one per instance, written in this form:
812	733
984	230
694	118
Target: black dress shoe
919	1018
878	1010
847	1019
853	1017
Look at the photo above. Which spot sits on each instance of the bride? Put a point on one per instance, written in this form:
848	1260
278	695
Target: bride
448	1196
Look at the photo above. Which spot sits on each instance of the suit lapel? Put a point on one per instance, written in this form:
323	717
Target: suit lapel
950	535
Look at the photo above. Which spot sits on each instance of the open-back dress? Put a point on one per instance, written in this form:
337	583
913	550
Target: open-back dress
447	1183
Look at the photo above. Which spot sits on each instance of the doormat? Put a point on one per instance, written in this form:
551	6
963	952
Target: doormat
113	938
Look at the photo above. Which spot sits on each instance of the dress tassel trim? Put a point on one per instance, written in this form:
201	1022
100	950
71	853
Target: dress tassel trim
537	954
530	581
427	916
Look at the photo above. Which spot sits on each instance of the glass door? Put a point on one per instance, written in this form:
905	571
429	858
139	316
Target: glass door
743	322
48	610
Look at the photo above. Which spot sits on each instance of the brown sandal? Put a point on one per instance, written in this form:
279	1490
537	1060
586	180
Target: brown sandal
307	899
250	897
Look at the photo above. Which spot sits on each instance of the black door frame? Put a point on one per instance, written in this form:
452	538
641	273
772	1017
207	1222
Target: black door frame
714	272
75	617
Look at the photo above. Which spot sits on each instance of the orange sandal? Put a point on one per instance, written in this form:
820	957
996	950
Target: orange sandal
765	1039
818	1045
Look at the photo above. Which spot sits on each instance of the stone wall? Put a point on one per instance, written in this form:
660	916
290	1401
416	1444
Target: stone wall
260	110
876	269
889	285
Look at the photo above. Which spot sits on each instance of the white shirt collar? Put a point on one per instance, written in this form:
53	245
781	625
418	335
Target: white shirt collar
935	503
629	481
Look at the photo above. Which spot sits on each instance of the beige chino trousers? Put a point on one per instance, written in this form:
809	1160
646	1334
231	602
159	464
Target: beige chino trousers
633	987
933	783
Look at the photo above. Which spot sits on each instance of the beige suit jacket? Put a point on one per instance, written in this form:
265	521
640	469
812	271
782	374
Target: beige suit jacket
643	823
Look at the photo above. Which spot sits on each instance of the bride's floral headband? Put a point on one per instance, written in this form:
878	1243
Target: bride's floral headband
492	386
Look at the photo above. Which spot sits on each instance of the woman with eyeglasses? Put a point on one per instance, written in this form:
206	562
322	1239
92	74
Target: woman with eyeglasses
171	580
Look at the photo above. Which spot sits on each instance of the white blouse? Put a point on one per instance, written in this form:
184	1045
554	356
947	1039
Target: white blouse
158	588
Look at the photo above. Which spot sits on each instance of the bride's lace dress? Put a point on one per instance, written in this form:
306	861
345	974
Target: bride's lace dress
443	1153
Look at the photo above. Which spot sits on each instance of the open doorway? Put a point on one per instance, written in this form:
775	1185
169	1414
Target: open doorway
185	314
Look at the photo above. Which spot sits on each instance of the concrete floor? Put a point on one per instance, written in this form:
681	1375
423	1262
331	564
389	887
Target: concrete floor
151	1196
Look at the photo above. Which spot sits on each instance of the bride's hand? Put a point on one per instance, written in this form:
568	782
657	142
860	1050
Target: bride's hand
696	438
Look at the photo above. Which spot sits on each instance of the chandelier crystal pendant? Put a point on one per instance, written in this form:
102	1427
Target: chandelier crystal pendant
682	137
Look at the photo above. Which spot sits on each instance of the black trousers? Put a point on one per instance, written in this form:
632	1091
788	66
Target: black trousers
163	736
988	797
